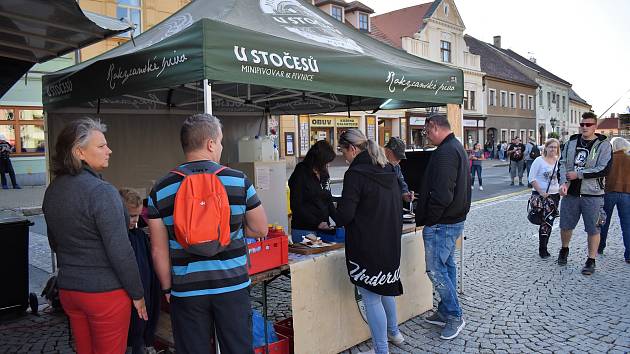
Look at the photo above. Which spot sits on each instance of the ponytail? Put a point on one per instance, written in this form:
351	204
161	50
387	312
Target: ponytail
376	153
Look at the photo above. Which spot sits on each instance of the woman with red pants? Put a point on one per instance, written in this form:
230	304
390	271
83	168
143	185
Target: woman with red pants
87	229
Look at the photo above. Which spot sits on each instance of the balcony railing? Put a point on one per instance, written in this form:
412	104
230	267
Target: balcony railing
471	61
416	47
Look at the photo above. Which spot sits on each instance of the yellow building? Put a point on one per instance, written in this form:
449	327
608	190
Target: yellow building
144	14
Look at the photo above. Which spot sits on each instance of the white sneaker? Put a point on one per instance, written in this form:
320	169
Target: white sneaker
397	339
472	187
480	188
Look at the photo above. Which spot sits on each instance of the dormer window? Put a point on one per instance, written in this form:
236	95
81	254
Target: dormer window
337	13
364	24
445	10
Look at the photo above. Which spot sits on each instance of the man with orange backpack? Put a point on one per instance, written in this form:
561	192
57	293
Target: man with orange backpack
199	214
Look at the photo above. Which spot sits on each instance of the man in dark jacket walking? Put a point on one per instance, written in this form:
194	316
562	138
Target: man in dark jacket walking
442	209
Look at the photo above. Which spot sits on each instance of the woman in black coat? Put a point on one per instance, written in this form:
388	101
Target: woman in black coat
309	184
370	209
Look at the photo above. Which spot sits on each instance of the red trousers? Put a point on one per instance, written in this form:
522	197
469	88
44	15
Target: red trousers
99	321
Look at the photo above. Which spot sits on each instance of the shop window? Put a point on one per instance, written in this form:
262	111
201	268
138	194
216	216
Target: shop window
364	24
445	51
337	13
24	129
130	11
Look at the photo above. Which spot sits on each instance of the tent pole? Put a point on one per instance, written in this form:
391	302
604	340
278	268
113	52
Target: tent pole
207	97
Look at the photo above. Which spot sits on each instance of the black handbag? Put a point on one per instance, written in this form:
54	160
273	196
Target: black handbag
536	203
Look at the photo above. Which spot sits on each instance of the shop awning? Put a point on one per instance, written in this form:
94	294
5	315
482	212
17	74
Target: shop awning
259	56
34	31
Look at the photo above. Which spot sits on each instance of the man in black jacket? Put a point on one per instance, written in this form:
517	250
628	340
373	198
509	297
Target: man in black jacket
442	209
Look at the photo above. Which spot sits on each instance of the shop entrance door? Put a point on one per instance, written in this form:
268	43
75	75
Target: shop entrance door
384	131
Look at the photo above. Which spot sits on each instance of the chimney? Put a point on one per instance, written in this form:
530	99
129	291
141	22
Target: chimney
532	59
497	41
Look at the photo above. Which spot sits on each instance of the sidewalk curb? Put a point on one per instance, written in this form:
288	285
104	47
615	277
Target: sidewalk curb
500	197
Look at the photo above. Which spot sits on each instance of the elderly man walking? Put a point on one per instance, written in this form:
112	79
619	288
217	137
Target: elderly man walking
442	208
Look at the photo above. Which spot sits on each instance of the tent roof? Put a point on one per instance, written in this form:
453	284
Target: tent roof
258	54
34	31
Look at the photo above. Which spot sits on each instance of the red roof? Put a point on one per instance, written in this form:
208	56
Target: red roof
400	23
608	123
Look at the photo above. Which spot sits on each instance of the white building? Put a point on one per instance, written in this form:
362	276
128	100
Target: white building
552	101
435	31
577	106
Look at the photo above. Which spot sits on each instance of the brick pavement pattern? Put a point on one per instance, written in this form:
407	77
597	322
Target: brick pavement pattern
514	302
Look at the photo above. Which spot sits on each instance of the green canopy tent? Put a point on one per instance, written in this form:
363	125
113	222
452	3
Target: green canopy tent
239	58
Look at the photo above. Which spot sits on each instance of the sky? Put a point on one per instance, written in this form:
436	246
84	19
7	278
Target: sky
585	42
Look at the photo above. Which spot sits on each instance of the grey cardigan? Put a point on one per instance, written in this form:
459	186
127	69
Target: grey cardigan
87	229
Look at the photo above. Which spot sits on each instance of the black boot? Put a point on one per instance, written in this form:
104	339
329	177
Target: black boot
542	246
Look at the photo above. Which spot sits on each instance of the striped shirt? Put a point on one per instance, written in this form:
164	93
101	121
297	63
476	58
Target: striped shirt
195	275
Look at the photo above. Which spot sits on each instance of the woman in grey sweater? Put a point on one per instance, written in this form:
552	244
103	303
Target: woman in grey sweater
87	229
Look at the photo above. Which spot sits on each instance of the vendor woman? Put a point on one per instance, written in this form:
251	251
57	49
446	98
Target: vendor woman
311	201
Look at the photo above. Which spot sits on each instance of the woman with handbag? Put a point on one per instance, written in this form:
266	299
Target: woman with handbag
543	177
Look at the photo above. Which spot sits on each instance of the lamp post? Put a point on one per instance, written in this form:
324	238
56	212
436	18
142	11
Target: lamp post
553	122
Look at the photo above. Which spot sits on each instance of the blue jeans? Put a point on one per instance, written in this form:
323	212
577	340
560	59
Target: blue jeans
381	316
296	234
622	201
439	249
476	169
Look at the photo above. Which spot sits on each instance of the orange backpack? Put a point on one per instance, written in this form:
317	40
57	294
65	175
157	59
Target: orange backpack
201	215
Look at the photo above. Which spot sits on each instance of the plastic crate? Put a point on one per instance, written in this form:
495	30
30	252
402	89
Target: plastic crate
279	347
285	328
268	253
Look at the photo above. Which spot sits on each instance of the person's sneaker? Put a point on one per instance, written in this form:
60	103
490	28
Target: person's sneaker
589	267
529	185
628	261
512	183
4	186
600	250
452	328
397	339
17	186
436	318
563	255
472	187
480	188
521	184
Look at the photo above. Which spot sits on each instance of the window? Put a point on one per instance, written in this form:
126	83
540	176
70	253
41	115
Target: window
540	97
337	13
445	50
364	24
446	10
521	102
503	134
530	103
512	100
503	99
492	97
469	100
531	134
465	99
549	100
130	11
522	136
24	129
512	134
564	103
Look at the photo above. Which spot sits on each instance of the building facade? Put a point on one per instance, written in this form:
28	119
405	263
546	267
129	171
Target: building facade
552	96
510	96
577	107
435	31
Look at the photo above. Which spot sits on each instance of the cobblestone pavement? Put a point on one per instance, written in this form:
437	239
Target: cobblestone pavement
513	301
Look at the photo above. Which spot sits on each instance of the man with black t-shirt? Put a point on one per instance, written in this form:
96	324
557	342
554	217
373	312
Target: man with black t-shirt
516	152
585	162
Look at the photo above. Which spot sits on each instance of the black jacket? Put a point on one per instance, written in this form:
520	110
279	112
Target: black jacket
370	208
445	192
310	203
